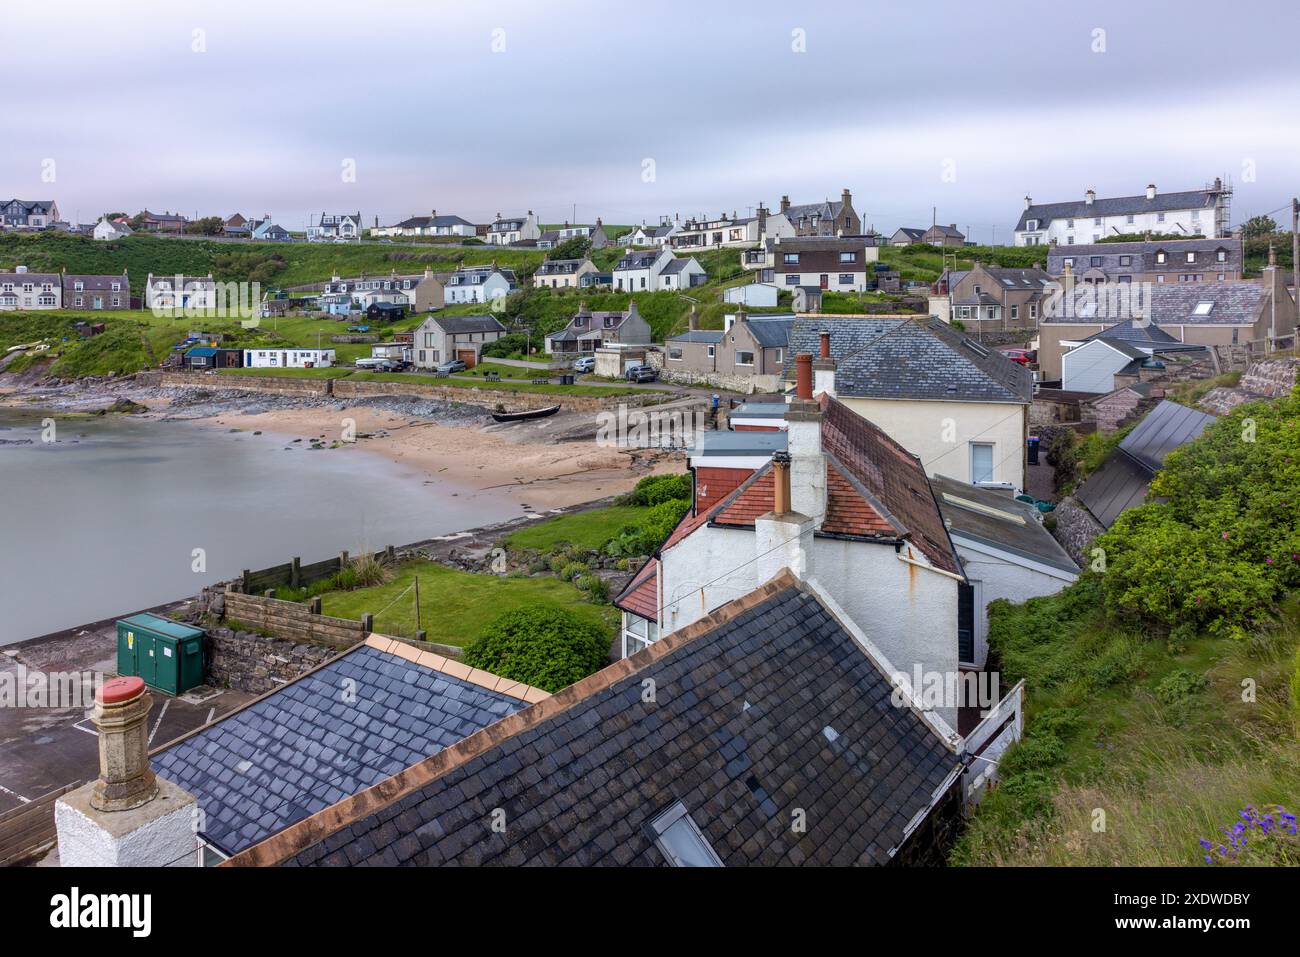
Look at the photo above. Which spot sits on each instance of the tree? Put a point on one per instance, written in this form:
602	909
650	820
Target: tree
208	226
112	216
575	248
1259	226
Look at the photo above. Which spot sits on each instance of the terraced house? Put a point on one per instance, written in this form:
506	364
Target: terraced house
1193	212
826	218
28	213
748	345
1159	261
422	292
431	225
836	263
22	289
723	232
596	233
479	284
96	292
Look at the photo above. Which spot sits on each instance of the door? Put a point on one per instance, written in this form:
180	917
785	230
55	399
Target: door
147	648
127	651
467	356
981	462
965	623
825	281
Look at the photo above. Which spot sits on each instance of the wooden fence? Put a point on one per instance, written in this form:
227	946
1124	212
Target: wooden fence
294	574
295	622
27	831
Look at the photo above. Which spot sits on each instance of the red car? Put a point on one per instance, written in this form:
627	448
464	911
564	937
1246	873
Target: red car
1023	356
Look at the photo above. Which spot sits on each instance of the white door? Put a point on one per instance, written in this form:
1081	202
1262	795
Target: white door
981	462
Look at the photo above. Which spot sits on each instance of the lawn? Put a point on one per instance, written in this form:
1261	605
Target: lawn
586	530
456	606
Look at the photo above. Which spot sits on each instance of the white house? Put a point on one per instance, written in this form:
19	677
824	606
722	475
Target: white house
335	227
479	284
431	225
723	232
515	229
1195	212
644	235
846	507
106	232
1005	552
22	289
179	293
759	294
649	270
288	358
682	274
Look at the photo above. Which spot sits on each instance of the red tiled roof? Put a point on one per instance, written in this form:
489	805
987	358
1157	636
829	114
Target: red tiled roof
641	596
751	500
892	476
848	512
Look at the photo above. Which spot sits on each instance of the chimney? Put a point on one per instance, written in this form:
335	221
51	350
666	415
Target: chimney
740	314
693	320
783	538
433	214
804	431
1090	196
1028	202
785	203
762	220
823	367
1151	190
952	226
127	817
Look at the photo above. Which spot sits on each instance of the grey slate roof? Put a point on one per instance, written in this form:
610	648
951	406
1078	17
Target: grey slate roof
905	359
1124	478
1234	303
775	709
699	335
459	324
1144	335
1142	255
998	520
771	332
304	748
675	265
1117	206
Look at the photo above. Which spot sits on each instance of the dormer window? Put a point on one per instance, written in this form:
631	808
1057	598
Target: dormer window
1161	257
78	285
1031	224
1221	255
1191	257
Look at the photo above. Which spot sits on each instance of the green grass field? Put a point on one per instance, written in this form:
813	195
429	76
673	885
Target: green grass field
585	530
456	606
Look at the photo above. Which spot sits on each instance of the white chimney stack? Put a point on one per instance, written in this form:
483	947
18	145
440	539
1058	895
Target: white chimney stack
783	538
1090	197
804	441
1151	190
1028	202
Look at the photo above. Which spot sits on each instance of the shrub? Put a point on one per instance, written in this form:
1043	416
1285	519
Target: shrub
656	489
647	535
594	586
1295	691
1178	685
547	647
572	570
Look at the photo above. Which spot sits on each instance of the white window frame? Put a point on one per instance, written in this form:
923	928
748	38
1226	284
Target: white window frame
992	447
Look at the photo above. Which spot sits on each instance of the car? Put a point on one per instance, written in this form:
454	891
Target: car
450	366
1022	356
371	362
358	328
641	373
584	364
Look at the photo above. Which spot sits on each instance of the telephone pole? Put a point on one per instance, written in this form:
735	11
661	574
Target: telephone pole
1295	247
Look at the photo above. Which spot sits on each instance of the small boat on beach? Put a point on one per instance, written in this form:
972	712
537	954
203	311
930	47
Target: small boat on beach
524	416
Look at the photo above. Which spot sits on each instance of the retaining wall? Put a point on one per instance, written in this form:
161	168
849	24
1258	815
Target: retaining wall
294	622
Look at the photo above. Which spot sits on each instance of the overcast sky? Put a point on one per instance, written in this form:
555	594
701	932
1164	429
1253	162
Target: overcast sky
633	111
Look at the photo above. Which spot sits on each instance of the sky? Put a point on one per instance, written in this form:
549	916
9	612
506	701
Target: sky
928	111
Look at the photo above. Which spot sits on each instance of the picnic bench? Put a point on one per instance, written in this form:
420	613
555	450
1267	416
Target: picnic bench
545	380
492	376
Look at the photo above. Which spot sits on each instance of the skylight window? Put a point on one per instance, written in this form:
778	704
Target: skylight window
1202	309
679	839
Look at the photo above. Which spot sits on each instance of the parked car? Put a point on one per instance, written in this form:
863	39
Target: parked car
584	364
452	365
1022	356
641	373
358	328
378	363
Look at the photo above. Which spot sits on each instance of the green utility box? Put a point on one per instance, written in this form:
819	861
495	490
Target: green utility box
166	654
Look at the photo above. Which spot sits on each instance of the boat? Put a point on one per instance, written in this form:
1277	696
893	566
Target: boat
523	416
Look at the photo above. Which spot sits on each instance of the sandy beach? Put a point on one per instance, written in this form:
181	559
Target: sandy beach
555	461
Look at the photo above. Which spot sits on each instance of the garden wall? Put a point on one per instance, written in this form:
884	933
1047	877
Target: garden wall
254	663
292	621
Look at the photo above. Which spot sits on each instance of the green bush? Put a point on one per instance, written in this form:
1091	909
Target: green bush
656	489
1295	692
646	536
572	570
594	586
1180	684
546	647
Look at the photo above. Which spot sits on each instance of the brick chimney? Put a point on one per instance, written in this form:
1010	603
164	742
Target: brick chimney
126	817
823	367
785	203
762	219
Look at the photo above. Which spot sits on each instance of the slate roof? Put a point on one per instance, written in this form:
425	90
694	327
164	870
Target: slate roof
911	233
698	335
675	265
95	283
638	259
824	210
771	332
1117	206
767	705
1142	255
1235	303
304	747
1144	335
996	519
1125	477
560	267
906	359
460	324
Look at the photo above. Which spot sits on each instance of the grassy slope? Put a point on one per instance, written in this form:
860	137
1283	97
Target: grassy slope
585	530
1165	772
456	606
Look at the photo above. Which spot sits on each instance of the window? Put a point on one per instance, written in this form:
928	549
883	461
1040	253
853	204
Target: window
1125	278
846	279
1015	312
791	258
1069	261
1125	260
981	462
1033	310
1129	219
1191	257
638	633
1095	260
1160	217
1203	309
1097	221
1031	224
744	358
1221	255
777	356
679	839
78	285
674	353
848	257
1069	240
1161	258
712	351
1069	224
991	312
792	279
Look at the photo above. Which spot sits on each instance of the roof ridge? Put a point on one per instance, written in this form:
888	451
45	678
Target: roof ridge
315	828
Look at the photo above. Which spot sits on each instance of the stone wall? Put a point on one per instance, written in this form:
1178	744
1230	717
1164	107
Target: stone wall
1271	377
248	383
1075	530
730	382
247	661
